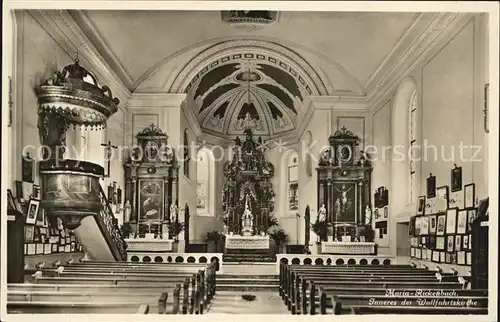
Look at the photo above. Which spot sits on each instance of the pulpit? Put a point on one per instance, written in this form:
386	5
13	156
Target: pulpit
343	192
248	197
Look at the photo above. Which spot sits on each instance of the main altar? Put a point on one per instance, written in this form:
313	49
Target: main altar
248	197
344	182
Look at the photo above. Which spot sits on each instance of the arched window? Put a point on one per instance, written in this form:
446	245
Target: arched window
293	182
412	141
186	154
205	193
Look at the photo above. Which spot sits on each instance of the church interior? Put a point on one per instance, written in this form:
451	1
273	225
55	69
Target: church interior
246	162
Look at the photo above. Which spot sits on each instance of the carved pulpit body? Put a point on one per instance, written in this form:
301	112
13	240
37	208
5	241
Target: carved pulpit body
247	186
344	183
72	97
151	179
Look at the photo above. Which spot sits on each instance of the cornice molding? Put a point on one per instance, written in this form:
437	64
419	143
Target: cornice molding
437	33
340	103
88	27
66	32
153	100
416	28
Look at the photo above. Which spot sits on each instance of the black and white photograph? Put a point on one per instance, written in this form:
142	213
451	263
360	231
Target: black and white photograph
257	159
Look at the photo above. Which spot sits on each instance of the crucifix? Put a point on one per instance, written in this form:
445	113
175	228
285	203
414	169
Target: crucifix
109	153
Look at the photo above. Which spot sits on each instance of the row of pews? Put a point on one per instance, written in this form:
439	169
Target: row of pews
373	289
115	288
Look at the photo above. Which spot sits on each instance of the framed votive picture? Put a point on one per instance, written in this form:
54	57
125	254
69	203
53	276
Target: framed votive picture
442	198
468	259
470	242
36	192
458	242
461	258
40	218
465	242
432	224
442	257
440	242
456	179
425	225
462	221
469	195
421	205
450	246
28	169
386	212
29	232
435	256
33	208
451	221
441	224
471	216
431	186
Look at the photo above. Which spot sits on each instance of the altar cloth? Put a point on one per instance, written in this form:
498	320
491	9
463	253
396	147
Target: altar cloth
247	242
149	245
348	248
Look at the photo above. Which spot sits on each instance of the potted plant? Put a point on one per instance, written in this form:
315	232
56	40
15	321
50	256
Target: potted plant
320	228
125	230
369	233
272	222
280	237
214	237
174	229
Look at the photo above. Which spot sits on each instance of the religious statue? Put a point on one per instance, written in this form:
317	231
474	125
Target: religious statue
322	213
128	211
247	221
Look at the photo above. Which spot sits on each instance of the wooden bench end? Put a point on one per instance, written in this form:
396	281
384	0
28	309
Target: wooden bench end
143	309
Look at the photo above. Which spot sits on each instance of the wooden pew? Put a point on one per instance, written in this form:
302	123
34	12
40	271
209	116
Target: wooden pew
299	284
91	293
75	308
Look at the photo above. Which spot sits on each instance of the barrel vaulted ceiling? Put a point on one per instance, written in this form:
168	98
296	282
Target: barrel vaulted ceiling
238	78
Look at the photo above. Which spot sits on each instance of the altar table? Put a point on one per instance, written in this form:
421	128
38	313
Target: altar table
348	248
149	245
247	242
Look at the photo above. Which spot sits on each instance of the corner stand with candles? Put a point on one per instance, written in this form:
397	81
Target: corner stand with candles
344	189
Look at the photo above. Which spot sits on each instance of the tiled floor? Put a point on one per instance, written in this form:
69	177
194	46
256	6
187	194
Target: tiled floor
232	303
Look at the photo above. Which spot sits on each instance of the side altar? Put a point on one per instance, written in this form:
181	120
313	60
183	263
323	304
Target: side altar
344	186
248	198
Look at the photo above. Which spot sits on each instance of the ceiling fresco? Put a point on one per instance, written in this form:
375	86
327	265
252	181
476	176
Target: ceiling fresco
248	90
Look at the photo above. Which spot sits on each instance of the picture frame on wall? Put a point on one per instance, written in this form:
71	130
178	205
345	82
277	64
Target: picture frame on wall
458	242
462	221
461	258
441	224
386	212
19	189
421	205
10	201
435	256
27	168
451	221
465	242
442	194
36	192
440	241
432	224
431	186
456	179
442	257
29	232
450	243
424	230
418	226
471	216
411	226
412	252
469	195
40	218
468	258
33	208
447	257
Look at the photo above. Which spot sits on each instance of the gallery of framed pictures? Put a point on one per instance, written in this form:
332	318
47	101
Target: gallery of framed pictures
441	229
42	235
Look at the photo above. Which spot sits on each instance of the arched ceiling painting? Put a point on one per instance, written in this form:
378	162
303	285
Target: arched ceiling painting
248	90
